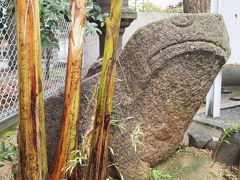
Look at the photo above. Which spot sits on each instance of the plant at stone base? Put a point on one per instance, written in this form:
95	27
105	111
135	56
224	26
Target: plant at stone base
185	149
135	137
156	175
80	157
137	133
8	153
223	138
114	122
93	96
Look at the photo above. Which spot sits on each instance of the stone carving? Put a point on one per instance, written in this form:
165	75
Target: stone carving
163	75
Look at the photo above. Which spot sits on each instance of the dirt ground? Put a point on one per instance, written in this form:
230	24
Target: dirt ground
187	163
8	136
195	164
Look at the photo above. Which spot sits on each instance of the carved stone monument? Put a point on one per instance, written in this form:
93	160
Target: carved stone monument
163	74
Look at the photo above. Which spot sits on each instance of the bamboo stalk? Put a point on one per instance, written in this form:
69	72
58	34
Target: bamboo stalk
72	90
31	138
97	167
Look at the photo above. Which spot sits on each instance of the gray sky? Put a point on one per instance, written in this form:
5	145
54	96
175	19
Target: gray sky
164	3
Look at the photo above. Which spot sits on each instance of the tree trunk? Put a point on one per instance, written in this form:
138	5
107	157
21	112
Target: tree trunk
97	166
31	137
68	136
196	6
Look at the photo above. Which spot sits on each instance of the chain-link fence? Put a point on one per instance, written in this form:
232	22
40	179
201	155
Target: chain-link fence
53	63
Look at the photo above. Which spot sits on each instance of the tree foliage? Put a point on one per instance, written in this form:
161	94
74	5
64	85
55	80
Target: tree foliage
96	18
148	7
151	7
174	9
54	13
3	19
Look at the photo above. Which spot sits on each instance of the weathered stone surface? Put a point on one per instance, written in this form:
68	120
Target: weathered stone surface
53	113
185	141
199	140
95	68
230	153
166	68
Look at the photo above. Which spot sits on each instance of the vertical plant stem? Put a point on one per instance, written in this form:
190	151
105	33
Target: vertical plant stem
68	136
97	167
31	138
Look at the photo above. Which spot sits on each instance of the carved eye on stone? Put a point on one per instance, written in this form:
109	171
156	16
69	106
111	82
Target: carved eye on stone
183	21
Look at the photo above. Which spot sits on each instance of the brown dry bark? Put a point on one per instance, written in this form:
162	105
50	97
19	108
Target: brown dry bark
31	138
68	136
97	167
196	6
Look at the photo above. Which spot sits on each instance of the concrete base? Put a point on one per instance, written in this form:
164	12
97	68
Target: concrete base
5	124
228	117
231	75
197	127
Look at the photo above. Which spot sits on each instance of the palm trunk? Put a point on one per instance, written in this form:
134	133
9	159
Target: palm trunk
72	90
196	6
97	167
31	137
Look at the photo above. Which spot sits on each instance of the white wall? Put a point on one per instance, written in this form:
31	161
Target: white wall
143	19
91	51
228	8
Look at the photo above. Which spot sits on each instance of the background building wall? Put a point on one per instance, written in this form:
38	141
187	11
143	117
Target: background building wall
230	10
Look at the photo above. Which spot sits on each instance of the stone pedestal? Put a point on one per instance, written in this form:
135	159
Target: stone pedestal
167	68
128	16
